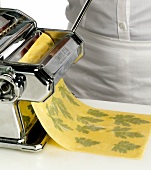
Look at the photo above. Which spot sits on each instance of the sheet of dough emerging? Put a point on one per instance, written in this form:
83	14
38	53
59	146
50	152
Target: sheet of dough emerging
79	127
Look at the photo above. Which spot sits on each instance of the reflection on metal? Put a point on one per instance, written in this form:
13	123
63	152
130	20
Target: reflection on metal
30	82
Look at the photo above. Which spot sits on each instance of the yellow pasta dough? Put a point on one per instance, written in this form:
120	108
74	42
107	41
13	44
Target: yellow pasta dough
41	46
79	127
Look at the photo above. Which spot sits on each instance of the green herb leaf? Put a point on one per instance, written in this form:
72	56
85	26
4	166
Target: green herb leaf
26	120
66	93
96	113
124	133
52	110
31	109
58	124
127	120
87	120
82	129
58	104
86	142
124	147
87	128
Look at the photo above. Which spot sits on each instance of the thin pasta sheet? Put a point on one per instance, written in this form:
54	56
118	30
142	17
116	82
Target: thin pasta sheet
79	127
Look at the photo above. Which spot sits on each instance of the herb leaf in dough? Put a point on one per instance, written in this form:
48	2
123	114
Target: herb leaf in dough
87	120
127	120
66	93
86	142
87	128
124	147
31	109
96	113
58	103
125	133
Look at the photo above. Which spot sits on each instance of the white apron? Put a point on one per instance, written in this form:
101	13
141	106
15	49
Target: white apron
112	70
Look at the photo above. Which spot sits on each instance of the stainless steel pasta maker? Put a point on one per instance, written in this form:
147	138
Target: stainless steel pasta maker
23	82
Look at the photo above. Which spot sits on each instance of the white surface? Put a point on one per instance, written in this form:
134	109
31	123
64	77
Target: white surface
55	157
47	13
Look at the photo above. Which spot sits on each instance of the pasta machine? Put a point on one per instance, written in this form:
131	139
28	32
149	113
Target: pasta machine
30	82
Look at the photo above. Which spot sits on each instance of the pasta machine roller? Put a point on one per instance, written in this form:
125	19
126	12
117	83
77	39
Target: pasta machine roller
26	82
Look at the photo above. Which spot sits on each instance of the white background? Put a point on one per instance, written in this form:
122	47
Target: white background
47	13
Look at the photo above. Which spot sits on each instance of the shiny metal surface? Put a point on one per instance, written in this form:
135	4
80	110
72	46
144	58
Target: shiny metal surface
11	126
62	55
20	25
11	84
30	82
55	63
32	147
81	14
45	74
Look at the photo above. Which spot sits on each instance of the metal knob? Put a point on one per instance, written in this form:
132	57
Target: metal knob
11	84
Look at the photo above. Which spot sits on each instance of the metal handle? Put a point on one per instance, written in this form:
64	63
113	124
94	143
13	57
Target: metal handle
80	16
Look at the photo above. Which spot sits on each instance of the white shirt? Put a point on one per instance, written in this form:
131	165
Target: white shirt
123	19
116	65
